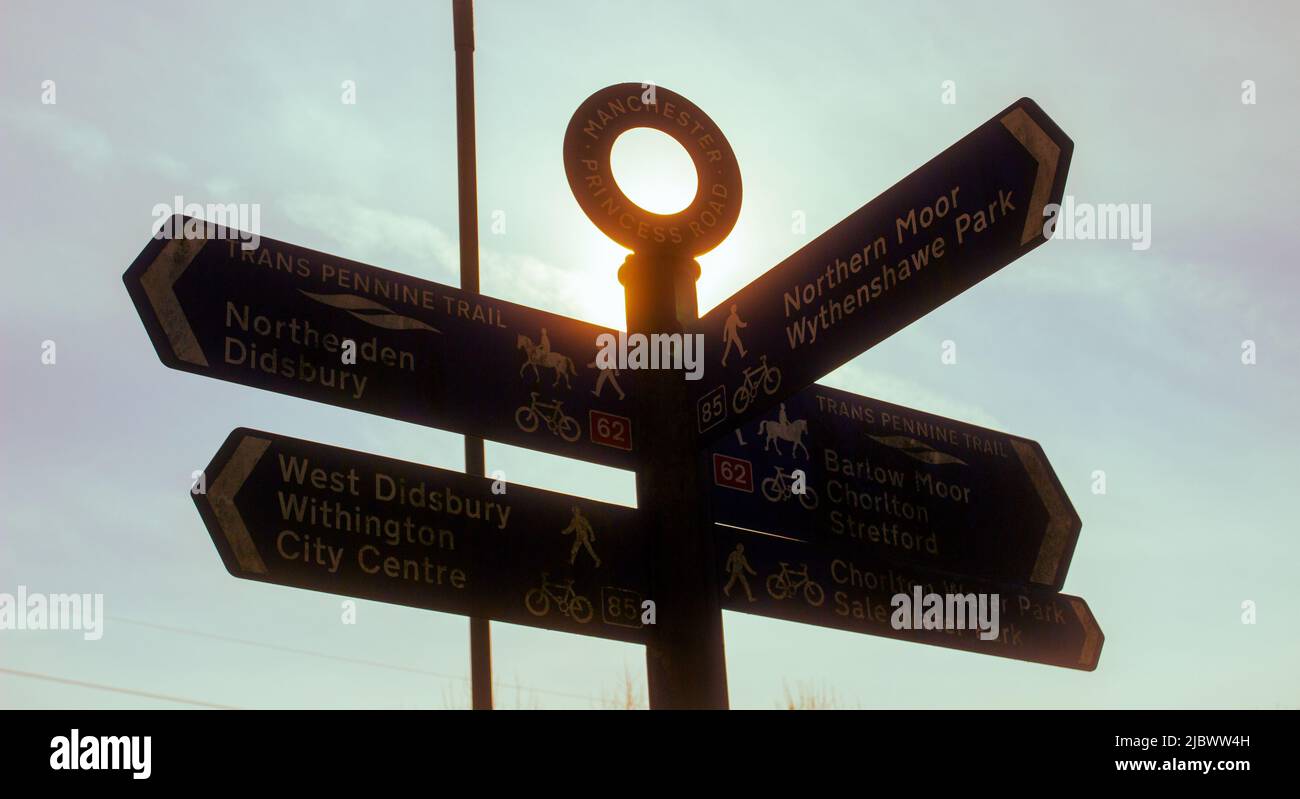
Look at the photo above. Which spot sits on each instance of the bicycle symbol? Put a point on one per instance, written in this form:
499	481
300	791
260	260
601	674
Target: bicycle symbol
768	378
567	601
788	582
777	489
557	421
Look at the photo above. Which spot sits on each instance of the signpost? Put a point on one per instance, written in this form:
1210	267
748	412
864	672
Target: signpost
279	318
833	586
307	515
970	211
685	662
893	482
849	505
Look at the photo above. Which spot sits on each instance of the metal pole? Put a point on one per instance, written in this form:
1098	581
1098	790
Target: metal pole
462	11
686	663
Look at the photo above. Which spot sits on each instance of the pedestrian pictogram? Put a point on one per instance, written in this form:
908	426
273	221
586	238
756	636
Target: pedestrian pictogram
731	335
583	536
737	569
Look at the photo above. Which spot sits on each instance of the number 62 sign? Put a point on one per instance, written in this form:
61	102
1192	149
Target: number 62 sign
730	472
611	430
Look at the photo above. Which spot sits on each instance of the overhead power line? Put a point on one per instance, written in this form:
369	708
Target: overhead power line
31	675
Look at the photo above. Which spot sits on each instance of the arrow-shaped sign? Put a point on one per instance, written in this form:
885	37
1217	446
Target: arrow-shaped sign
893	482
830	586
307	515
970	211
311	325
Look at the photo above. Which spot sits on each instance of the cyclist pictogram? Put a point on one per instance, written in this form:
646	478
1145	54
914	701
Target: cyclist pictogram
529	416
787	584
777	489
567	601
767	378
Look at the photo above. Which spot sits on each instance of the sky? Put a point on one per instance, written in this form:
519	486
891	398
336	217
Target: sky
1123	361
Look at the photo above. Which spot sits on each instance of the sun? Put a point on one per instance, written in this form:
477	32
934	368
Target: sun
654	171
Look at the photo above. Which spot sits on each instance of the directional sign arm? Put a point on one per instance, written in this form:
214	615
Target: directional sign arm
304	323
830	586
953	222
296	513
899	483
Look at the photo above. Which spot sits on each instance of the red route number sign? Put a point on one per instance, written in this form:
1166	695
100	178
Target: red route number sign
611	430
730	472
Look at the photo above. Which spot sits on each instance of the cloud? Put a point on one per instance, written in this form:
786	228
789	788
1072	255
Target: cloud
372	234
167	166
1177	310
79	143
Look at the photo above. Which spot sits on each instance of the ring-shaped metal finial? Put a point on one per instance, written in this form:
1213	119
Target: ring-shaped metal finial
610	112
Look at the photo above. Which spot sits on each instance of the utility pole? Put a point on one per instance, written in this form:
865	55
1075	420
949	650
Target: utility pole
480	635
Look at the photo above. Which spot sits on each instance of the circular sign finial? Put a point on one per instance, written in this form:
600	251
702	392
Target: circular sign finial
606	115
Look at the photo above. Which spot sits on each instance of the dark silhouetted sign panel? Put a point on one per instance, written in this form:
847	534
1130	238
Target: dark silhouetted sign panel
277	318
890	481
307	515
830	586
970	211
